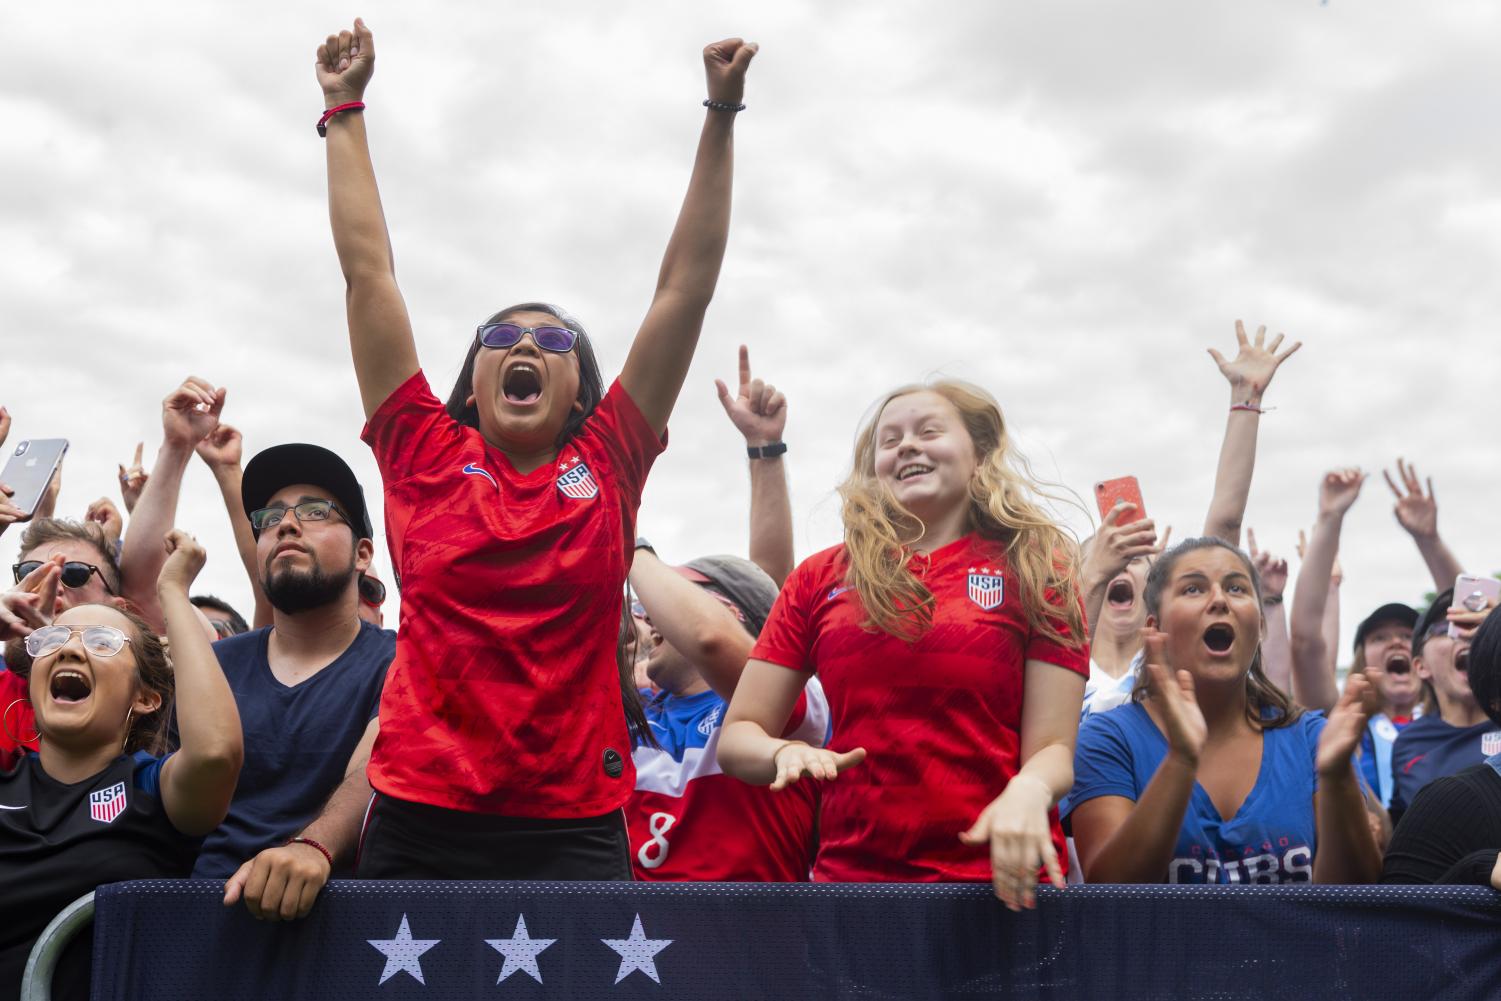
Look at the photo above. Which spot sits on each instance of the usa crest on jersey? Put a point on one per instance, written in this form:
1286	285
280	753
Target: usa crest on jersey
107	804
1490	743
576	481
986	588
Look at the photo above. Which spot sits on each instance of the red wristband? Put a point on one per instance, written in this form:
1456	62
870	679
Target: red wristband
1251	407
309	841
331	112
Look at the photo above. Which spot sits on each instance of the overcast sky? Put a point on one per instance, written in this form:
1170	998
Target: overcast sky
1065	202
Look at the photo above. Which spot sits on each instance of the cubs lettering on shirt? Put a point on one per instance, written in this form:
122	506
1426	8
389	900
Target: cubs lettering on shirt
504	697
690	821
939	717
1270	839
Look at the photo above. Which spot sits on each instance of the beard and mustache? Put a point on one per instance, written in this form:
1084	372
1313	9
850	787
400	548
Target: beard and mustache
294	591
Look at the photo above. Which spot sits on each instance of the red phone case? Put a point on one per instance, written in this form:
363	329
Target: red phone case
1125	489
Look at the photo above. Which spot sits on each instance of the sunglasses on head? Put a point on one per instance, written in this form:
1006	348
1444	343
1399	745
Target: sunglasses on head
101	641
75	573
372	591
559	340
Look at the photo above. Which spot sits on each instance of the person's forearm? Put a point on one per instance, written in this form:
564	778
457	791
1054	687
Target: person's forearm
1347	851
143	553
1442	564
771	518
695	251
1053	766
1276	649
1232	478
1313	683
748	752
229	479
693	621
1331	627
337	828
1094	585
208	722
1142	848
354	208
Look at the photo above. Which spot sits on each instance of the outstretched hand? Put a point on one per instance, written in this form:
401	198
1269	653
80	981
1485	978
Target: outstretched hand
1255	363
222	448
758	410
1015	826
1116	545
1416	511
795	759
725	64
345	64
191	412
1347	722
1271	569
1174	697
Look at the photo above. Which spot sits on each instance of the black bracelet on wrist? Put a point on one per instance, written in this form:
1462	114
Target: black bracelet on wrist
1272	599
770	451
723	106
641	543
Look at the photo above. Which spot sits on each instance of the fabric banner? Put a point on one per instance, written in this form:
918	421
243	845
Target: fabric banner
171	939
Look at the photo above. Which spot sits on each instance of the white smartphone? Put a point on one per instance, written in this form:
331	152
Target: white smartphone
1472	594
30	469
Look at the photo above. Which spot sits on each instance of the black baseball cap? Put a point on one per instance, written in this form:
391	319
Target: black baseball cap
746	585
1433	615
1402	615
283	465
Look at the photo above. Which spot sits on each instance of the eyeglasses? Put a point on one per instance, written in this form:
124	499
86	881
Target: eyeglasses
559	340
101	641
313	510
372	591
75	573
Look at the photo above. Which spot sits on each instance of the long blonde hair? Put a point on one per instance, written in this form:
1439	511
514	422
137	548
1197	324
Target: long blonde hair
1003	505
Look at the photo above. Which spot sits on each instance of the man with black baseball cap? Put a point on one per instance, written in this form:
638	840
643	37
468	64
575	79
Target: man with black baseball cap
687	820
1453	732
1384	639
307	686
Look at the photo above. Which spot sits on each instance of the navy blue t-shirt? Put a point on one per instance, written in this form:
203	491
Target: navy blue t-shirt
298	740
1429	749
1270	839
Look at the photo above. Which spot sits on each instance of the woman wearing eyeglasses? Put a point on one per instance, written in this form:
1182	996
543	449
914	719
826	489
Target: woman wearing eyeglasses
504	751
97	803
948	634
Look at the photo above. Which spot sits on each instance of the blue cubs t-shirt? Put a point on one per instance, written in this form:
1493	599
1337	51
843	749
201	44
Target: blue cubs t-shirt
298	740
1429	749
1271	837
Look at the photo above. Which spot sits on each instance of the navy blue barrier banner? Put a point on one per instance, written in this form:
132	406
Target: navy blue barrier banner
170	940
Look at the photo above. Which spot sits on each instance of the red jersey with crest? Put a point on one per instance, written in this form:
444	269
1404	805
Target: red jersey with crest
504	696
939	718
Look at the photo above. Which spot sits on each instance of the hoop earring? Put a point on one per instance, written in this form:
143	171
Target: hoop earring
125	744
5	724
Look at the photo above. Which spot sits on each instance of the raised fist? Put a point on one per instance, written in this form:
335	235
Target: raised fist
725	64
345	63
191	412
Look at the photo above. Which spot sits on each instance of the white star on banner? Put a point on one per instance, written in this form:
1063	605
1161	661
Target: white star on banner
637	952
402	952
520	950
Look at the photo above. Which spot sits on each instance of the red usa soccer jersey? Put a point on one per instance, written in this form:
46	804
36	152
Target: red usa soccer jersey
690	821
504	697
940	718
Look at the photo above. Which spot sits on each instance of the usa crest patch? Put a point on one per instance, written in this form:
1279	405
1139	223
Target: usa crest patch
576	481
986	588
1490	743
107	804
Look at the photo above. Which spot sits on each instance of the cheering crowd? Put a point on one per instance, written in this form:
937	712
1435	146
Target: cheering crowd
960	691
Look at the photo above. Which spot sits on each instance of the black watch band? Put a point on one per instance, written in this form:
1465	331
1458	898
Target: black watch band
771	451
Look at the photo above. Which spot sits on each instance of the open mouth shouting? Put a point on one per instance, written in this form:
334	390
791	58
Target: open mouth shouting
522	384
1397	663
69	686
1121	594
912	470
1219	639
1462	660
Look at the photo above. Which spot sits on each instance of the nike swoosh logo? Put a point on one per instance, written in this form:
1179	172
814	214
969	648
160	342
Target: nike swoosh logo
474	470
4	807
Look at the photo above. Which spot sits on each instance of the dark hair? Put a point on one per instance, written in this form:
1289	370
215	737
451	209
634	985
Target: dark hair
45	530
237	624
591	382
1485	667
1267	706
625	662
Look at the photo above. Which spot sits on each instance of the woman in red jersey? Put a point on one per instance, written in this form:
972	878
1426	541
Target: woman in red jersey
503	750
948	634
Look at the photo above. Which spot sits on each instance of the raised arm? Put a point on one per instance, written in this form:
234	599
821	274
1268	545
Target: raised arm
1417	512
1347	850
189	414
1276	651
1313	677
198	781
380	332
1124	842
697	626
222	451
659	357
759	412
1249	375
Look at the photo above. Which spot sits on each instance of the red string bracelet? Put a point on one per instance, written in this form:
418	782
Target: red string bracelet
331	112
309	841
1251	407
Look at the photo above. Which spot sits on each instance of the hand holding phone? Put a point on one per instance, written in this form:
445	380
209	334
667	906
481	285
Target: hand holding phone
29	471
1474	596
1122	490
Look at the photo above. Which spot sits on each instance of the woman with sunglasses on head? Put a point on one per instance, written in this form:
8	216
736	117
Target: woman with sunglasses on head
1211	774
948	635
98	803
504	751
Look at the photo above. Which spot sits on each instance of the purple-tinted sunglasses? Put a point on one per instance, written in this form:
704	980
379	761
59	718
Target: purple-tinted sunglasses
559	340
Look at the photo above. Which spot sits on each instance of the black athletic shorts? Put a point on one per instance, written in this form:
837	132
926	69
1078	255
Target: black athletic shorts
405	840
